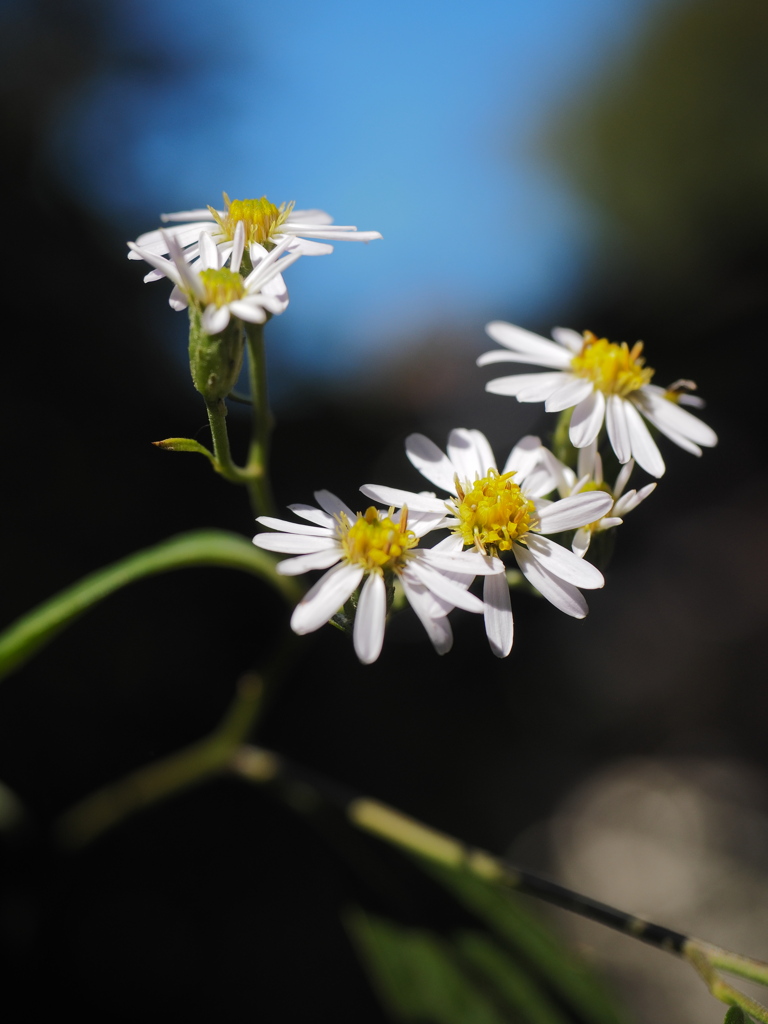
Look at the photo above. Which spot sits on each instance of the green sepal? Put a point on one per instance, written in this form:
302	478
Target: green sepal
736	1016
215	360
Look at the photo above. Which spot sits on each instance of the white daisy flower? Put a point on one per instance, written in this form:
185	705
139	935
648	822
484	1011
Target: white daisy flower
219	291
373	545
589	477
602	382
264	224
495	512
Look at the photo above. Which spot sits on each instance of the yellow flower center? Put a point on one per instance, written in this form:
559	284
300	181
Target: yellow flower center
494	512
221	287
378	544
613	369
260	218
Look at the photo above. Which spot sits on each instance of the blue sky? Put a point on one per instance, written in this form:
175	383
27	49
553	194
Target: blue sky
417	119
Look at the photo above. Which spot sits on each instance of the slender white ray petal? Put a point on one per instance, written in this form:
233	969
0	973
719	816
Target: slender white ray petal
325	598
305	563
422	523
463	453
622	479
178	300
314	515
430	461
209	254
523	456
581	541
527	343
669	416
293	544
238	247
203	215
397	497
644	449
469	562
164	266
251	310
497	612
431	603
502	355
444	587
535	386
305	247
587	419
589	463
562	595
288	526
370	619
631	500
437	627
569	338
333	506
561	562
572	391
313	217
215	319
574	511
618	430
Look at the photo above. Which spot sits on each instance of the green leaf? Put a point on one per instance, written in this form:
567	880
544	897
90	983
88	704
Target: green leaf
418	976
184	444
204	547
736	1016
533	944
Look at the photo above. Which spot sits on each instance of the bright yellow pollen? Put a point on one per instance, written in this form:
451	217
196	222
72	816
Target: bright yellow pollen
377	544
494	512
222	286
261	218
614	369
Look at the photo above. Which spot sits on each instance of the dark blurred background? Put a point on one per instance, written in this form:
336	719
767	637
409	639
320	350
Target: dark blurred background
606	172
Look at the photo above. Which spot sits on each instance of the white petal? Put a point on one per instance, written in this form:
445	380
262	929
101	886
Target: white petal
430	461
288	526
526	387
528	343
497	612
444	587
370	619
574	511
215	319
305	563
471	563
291	544
587	419
671	419
644	448
325	598
251	310
437	626
632	499
569	338
523	456
209	254
581	541
470	453
399	498
562	595
572	391
334	506
618	430
314	515
561	562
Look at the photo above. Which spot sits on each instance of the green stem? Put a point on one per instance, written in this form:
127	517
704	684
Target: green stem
204	547
202	760
257	469
217	417
261	766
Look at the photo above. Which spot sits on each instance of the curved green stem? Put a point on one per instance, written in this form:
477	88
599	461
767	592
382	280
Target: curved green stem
204	547
217	417
202	760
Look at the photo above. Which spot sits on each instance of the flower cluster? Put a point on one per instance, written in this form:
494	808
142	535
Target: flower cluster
227	267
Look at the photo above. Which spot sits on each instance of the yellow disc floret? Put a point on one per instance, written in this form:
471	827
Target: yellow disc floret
494	512
260	218
221	287
378	544
613	369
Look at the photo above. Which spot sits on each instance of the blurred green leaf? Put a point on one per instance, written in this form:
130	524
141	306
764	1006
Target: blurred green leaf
736	1016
